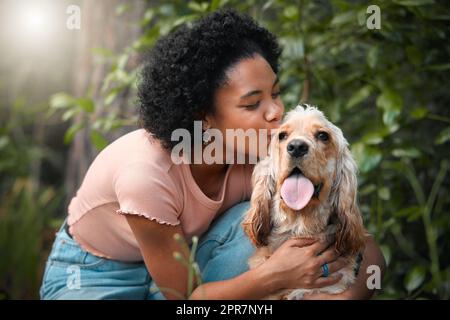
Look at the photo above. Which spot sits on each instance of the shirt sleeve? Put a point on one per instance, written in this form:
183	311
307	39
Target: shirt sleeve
147	190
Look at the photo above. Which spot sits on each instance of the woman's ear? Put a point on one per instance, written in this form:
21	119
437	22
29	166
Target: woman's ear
257	224
350	234
208	120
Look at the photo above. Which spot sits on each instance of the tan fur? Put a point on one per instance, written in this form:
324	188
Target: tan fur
269	221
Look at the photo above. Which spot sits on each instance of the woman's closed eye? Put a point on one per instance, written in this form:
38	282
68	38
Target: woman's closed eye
252	106
275	95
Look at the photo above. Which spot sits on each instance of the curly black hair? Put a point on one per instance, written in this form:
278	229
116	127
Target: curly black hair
184	69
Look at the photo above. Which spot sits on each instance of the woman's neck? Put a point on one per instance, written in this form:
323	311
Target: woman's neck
209	177
208	171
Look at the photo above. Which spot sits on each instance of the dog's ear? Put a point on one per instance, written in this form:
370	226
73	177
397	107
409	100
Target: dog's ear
257	223
350	233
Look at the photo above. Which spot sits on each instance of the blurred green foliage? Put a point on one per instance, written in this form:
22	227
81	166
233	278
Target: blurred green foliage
387	89
27	205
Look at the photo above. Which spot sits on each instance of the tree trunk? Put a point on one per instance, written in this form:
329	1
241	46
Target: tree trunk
101	27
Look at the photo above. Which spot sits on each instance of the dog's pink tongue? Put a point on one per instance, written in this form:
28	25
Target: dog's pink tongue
296	191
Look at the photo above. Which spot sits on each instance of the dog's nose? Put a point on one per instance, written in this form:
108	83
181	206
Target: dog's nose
297	148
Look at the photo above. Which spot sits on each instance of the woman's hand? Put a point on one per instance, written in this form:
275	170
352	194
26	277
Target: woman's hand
297	263
372	256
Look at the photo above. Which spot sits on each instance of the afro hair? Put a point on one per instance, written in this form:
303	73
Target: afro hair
184	69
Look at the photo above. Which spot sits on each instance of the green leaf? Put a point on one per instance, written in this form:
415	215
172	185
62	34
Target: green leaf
362	16
443	136
110	97
267	5
61	100
414	278
98	140
184	19
69	114
215	4
438	67
4	141
122	61
406	153
121	76
148	16
419	113
359	96
384	193
386	253
147	40
390	100
407	212
372	57
375	137
198	7
367	157
414	2
368	189
390	119
70	133
122	8
291	12
86	104
343	18
414	216
391	103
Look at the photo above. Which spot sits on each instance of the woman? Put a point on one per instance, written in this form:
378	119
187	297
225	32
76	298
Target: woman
118	242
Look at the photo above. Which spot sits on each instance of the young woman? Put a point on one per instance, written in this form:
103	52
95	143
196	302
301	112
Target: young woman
118	241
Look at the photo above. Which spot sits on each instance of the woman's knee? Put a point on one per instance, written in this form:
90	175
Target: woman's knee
229	221
224	251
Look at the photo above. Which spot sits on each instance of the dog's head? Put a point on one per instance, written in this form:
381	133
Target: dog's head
311	174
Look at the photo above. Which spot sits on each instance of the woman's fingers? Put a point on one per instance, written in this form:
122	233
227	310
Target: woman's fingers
319	247
337	265
328	256
328	281
300	242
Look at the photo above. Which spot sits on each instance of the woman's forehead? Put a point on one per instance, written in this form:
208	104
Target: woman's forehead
250	74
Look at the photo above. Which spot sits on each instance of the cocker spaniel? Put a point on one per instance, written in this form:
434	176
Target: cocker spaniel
306	187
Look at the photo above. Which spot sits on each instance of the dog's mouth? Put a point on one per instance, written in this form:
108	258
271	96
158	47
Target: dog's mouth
297	190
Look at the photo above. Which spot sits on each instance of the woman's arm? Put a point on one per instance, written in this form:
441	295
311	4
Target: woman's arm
372	256
157	245
251	285
295	264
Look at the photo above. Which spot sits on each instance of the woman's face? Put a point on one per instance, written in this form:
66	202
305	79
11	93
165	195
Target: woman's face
249	100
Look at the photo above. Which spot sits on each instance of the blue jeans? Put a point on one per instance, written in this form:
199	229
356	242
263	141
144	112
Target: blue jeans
72	273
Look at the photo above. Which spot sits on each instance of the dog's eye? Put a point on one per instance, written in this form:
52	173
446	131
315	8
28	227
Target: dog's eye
323	136
282	135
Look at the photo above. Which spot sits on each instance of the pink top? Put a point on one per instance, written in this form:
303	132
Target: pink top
135	175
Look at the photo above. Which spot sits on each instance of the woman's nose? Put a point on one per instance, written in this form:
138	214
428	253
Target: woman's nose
274	113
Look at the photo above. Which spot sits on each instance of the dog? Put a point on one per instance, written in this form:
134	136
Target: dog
306	187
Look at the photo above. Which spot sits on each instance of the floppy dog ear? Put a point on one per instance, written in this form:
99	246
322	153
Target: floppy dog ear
257	223
350	233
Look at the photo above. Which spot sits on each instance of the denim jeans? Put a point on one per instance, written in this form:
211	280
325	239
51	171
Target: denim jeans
72	273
